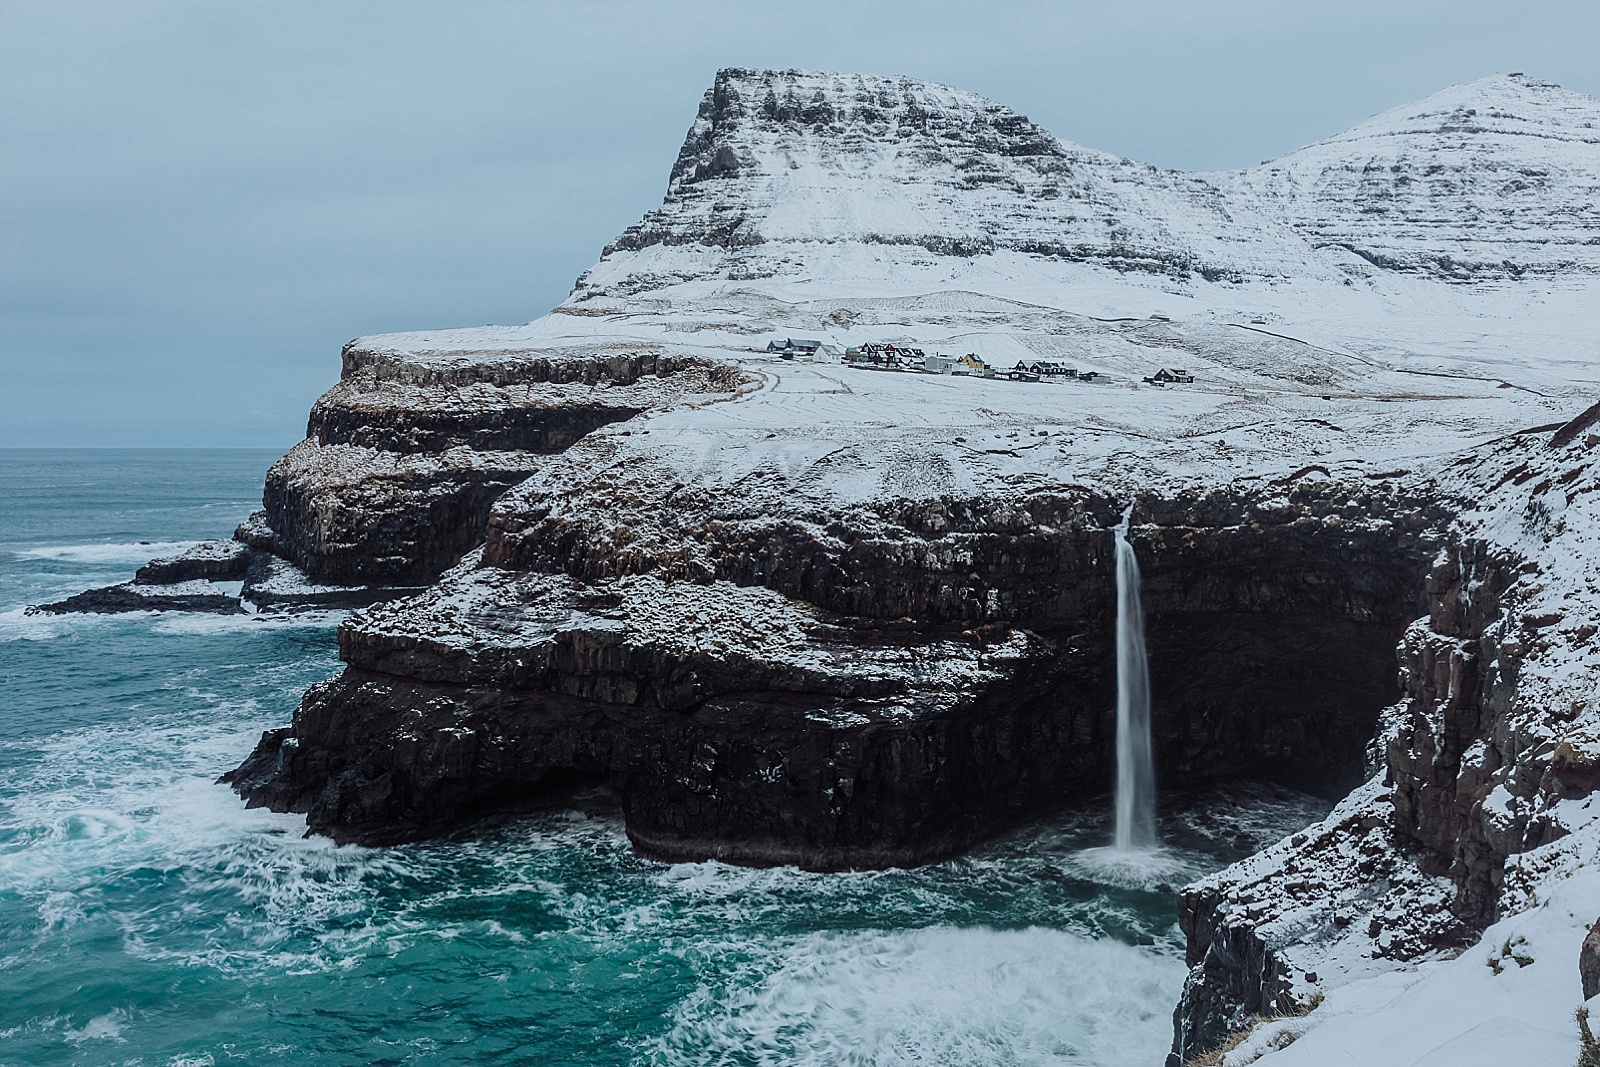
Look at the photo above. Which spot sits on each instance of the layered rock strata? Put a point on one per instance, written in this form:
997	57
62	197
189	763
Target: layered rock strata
401	462
403	457
224	578
886	691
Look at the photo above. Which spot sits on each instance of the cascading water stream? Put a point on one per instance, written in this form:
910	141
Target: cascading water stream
1136	778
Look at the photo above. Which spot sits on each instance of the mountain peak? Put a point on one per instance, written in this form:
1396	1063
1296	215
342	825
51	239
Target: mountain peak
783	166
1497	105
754	119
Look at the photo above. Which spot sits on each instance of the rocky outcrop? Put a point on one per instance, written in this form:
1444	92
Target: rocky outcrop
202	579
184	582
274	584
212	561
402	461
853	701
197	595
770	736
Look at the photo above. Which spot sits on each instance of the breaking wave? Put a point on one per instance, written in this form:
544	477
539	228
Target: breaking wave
135	552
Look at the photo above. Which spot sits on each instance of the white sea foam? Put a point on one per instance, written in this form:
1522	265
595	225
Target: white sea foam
1146	868
140	797
17	624
107	1027
125	552
940	995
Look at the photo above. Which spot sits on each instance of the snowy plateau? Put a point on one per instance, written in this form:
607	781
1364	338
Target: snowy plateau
801	611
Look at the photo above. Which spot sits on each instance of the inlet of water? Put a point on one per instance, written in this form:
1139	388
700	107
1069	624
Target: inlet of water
1136	776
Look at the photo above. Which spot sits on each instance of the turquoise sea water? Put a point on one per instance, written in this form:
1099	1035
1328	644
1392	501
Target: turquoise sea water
147	918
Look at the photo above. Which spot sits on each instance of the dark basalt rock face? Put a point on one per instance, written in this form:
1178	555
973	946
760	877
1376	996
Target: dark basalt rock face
1429	819
404	457
785	747
401	525
765	777
1272	630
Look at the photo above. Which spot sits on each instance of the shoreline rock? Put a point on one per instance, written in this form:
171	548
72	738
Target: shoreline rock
195	595
198	580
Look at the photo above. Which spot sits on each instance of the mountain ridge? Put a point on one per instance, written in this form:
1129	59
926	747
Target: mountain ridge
803	158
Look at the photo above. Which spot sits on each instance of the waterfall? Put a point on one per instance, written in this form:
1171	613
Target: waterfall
1136	776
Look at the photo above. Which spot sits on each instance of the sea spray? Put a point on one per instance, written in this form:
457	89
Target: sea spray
1136	778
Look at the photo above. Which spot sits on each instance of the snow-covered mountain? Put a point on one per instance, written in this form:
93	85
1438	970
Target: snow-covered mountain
780	160
782	171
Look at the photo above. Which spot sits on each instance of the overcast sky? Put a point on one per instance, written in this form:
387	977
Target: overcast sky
201	201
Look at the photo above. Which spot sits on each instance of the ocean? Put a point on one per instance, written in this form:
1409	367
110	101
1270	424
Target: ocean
147	918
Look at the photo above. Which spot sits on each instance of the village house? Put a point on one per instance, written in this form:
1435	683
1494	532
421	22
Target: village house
876	356
1045	368
1165	376
973	365
807	349
883	355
